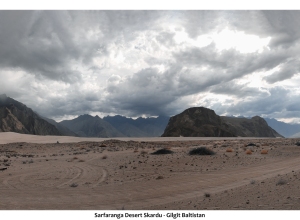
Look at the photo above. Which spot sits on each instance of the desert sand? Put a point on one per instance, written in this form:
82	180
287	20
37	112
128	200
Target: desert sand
37	173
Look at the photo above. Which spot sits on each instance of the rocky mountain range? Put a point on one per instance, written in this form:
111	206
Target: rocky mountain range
197	121
286	129
17	117
89	126
62	129
204	122
116	126
140	127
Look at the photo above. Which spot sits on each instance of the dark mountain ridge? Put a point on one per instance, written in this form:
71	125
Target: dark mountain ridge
140	127
204	122
89	126
197	121
17	117
62	129
286	129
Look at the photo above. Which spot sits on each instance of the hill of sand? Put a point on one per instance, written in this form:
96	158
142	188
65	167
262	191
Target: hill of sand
102	174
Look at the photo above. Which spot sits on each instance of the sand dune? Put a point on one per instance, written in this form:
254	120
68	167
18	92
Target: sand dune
12	137
116	174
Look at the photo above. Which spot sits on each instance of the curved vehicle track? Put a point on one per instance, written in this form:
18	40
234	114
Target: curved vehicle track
156	193
38	176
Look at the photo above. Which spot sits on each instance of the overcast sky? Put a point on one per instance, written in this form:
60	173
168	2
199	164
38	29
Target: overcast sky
148	63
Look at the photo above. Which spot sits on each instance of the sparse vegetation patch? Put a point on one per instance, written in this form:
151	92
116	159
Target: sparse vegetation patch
248	152
264	152
73	185
207	195
162	151
201	151
281	182
143	152
229	150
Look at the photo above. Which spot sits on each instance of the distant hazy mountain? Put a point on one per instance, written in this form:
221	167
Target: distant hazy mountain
89	126
286	129
297	135
251	127
17	117
140	127
62	129
204	122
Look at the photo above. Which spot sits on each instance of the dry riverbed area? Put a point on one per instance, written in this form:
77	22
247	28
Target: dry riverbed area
223	174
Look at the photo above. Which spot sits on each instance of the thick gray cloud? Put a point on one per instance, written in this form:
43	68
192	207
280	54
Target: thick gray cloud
262	104
146	92
282	25
238	90
287	71
67	63
53	44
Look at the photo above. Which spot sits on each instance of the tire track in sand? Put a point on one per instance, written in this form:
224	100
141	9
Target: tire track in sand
147	194
87	173
79	173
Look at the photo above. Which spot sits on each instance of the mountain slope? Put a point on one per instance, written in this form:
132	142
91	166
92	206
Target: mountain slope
17	117
203	122
154	127
197	122
125	125
287	130
89	126
62	129
140	127
254	127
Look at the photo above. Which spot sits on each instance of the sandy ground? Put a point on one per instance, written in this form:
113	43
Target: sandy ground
11	137
103	174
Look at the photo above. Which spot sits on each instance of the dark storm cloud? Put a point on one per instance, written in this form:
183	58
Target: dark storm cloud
201	22
73	103
279	103
293	107
195	70
166	39
287	71
241	64
276	101
51	43
237	90
228	64
37	43
283	26
152	92
251	22
157	74
146	92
